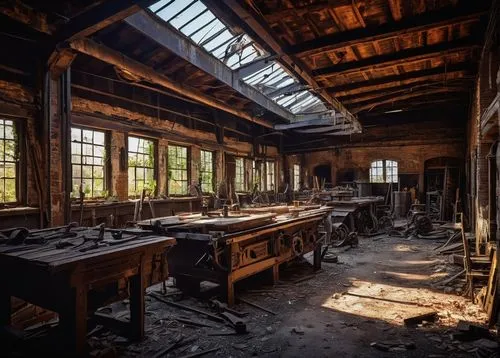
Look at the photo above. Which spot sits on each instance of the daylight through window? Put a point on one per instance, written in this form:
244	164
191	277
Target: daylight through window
8	162
384	171
141	166
239	176
207	171
87	162
177	170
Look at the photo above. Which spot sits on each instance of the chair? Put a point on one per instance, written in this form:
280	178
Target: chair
477	267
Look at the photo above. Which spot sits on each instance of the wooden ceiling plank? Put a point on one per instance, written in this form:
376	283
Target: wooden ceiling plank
465	13
366	105
395	7
282	12
460	67
405	56
115	58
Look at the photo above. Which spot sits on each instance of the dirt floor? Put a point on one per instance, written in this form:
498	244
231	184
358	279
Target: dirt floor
353	308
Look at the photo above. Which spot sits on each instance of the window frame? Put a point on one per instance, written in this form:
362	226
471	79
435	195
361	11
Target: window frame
213	172
270	184
188	169
243	176
296	177
106	162
20	169
382	165
155	162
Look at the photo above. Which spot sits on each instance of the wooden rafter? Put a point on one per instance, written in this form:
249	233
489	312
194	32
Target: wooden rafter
412	88
350	97
283	12
397	58
467	12
460	67
366	105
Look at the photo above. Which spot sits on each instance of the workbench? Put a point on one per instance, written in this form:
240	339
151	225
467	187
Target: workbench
358	214
226	250
61	279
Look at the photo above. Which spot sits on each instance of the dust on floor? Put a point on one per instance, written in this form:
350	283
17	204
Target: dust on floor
352	308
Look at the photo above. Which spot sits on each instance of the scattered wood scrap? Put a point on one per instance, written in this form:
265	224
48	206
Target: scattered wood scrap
415	320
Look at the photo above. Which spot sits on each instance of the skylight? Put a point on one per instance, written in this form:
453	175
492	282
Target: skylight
194	20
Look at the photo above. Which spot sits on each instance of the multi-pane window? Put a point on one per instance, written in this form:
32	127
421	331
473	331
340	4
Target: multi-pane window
384	171
88	151
296	177
141	165
239	175
177	170
207	171
270	176
8	162
391	171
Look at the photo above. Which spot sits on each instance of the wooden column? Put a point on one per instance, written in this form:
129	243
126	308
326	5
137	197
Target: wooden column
65	108
119	172
59	125
162	182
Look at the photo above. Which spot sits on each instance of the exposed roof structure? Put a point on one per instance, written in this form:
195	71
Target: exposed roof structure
319	68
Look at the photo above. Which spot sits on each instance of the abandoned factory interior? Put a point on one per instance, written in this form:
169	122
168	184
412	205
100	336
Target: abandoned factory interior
249	178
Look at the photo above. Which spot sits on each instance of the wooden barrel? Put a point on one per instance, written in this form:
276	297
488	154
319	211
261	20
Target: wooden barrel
402	201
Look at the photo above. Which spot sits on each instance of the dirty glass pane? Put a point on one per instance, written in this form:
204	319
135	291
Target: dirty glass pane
87	153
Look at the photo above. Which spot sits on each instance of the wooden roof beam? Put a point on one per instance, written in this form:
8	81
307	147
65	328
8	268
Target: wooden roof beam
86	24
366	105
283	12
115	58
372	84
466	11
260	31
397	58
358	97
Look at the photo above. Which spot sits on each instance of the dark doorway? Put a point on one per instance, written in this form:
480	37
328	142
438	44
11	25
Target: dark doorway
323	172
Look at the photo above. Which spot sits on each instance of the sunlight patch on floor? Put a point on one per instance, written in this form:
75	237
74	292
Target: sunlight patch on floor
394	303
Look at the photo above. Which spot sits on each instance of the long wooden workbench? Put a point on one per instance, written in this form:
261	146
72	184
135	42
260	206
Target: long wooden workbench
226	250
58	273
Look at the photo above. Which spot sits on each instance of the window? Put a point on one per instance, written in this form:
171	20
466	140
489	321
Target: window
239	175
88	153
207	171
141	165
391	171
296	177
270	176
384	171
8	162
177	170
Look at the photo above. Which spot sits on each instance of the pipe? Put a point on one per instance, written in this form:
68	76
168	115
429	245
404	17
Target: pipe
105	54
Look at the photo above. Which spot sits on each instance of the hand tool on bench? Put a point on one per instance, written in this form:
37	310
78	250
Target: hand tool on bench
15	236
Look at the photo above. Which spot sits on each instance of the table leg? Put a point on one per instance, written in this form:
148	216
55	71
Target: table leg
227	288
276	273
137	306
317	257
5	308
73	320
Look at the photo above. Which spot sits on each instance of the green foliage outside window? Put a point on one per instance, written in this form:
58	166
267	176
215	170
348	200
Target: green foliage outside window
207	171
141	166
8	162
177	170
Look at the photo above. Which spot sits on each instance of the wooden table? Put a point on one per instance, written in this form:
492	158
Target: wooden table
60	280
227	250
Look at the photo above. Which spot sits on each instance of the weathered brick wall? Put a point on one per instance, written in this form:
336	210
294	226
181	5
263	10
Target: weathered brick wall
479	144
409	144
